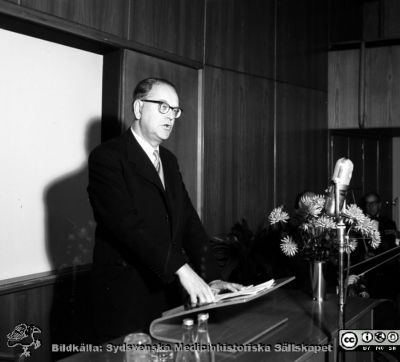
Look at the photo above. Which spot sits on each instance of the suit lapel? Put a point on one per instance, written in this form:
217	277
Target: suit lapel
170	186
139	159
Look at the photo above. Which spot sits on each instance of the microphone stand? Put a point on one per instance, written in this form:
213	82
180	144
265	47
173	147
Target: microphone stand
340	229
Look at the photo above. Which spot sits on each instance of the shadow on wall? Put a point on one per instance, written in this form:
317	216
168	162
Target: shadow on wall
69	241
69	220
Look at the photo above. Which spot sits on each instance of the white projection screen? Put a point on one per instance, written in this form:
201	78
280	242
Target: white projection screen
50	111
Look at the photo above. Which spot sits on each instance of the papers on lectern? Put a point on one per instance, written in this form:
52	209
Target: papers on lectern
246	291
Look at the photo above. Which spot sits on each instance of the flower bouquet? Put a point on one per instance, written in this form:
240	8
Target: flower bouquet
312	232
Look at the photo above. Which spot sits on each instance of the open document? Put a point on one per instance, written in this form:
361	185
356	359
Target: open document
245	291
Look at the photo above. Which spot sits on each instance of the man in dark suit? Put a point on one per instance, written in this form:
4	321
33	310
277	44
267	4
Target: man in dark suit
372	205
383	281
146	224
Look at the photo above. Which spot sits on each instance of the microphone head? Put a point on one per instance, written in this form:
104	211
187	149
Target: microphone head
340	182
343	171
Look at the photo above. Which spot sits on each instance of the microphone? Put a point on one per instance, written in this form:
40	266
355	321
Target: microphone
341	180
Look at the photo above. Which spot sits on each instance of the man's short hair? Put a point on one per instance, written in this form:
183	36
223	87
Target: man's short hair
144	87
374	194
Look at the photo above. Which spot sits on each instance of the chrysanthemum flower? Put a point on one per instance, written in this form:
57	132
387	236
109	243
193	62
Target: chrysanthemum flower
354	214
375	239
313	204
278	215
288	246
325	222
368	228
351	246
365	226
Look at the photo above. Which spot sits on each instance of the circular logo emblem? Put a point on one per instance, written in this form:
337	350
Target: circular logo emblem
380	337
392	337
348	340
367	337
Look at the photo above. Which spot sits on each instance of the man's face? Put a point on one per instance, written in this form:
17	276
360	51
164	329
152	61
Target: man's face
372	206
154	126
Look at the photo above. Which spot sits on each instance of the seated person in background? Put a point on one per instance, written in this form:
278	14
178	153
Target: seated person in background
372	205
356	286
382	281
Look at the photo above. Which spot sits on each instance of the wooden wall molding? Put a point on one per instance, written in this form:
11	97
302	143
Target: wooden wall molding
60	304
18	284
87	33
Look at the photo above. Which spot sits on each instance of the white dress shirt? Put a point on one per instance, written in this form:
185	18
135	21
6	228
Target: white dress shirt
149	150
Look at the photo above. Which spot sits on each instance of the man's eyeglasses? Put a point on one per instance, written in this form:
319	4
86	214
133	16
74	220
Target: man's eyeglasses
164	107
371	202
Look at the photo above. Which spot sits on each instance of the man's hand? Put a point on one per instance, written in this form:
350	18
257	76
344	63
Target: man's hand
198	290
352	279
219	285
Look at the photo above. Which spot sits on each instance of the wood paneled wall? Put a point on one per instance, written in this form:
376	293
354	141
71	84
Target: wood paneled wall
108	16
301	127
346	20
240	35
238	112
382	89
301	140
176	26
238	148
302	39
59	306
343	87
265	97
32	306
